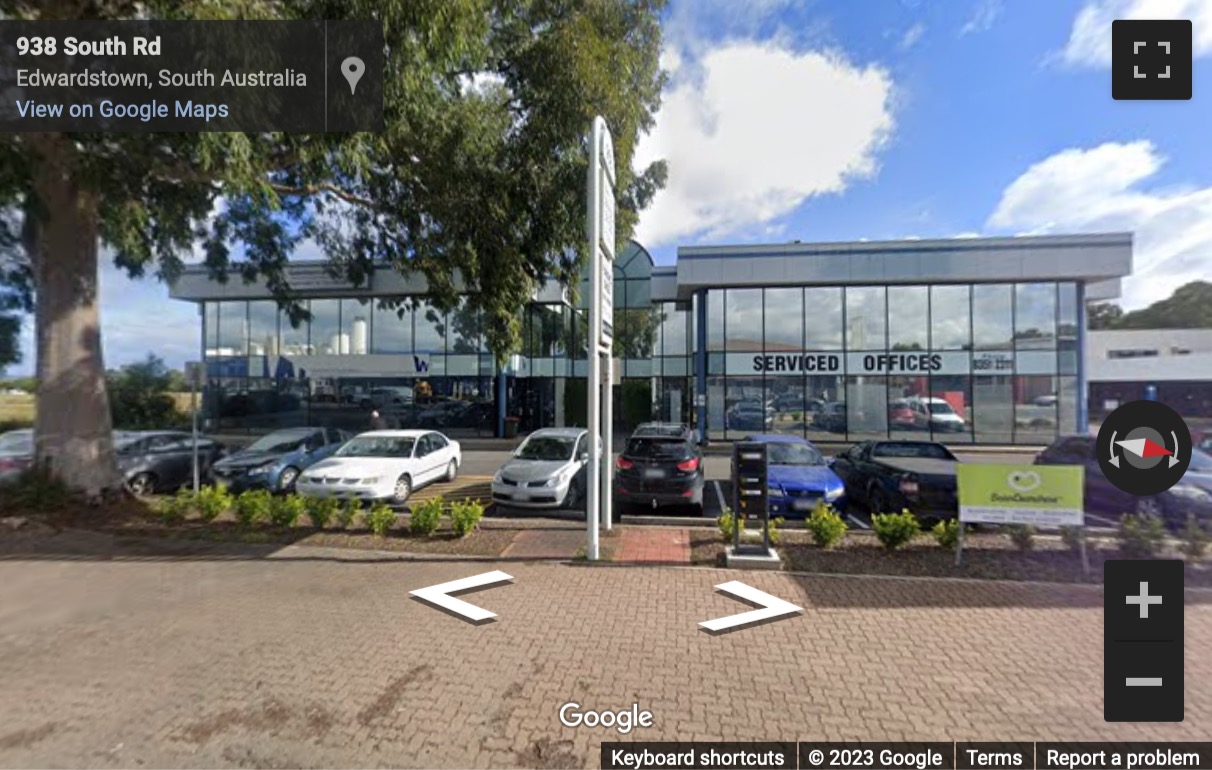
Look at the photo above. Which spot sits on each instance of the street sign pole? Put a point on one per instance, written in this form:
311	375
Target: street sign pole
194	372
601	233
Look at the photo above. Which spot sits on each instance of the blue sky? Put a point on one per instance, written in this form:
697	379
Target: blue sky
822	120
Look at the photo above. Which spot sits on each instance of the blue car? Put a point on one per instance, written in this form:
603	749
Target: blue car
275	461
798	476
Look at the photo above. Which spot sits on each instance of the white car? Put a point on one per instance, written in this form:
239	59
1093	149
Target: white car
935	414
546	471
383	465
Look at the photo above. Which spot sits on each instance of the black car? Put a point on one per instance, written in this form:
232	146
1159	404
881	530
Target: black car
830	417
661	465
1190	497
163	461
893	475
749	415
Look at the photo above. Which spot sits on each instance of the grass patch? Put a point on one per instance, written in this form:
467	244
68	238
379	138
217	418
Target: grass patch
18	410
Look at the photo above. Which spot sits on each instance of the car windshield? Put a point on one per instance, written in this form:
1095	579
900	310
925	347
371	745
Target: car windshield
940	407
377	446
16	443
1201	462
793	454
653	446
279	442
547	448
912	449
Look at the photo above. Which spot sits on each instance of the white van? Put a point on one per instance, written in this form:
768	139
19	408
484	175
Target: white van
935	414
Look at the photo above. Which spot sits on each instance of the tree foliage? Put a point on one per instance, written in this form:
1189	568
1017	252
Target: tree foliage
1189	307
475	184
139	396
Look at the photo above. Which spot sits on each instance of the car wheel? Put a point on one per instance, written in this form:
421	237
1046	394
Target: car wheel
877	499
452	471
286	481
572	500
141	484
402	490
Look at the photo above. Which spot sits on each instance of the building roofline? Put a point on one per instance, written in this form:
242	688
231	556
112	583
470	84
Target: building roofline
797	248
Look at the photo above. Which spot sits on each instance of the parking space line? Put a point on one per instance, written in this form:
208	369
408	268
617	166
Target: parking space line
1106	522
719	495
857	521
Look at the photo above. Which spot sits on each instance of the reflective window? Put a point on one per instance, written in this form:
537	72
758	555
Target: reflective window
233	328
429	328
866	407
355	322
326	337
952	421
715	319
464	333
391	329
908	317
675	330
1066	328
992	406
295	340
1035	409
950	318
784	320
822	319
743	310
211	343
866	318
1035	316
635	331
992	317
263	328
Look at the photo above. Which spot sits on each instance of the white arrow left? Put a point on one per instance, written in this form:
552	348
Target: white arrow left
769	607
440	595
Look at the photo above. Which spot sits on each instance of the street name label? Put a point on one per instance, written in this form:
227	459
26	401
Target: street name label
145	76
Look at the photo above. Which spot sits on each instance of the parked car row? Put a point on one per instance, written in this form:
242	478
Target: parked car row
661	465
149	461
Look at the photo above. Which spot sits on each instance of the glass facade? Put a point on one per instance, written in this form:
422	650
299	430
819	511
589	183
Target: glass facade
987	363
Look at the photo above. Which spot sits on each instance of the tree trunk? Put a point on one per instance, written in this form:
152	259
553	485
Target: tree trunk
73	432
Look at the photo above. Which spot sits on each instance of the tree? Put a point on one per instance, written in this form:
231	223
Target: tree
479	174
1189	307
139	394
1103	315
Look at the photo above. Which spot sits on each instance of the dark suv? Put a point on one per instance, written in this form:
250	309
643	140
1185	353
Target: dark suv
662	465
1189	497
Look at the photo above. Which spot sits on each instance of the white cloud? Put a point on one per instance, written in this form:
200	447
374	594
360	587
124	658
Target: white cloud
1089	42
1103	190
912	36
738	157
983	16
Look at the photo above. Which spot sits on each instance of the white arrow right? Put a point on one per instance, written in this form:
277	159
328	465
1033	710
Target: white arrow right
771	607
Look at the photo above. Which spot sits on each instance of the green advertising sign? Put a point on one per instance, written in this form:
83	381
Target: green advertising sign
1043	495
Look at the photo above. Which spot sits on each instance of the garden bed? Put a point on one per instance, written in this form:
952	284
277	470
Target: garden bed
988	556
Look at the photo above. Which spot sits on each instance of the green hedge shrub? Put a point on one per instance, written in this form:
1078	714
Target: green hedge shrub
465	517
826	526
425	516
895	529
253	507
1140	536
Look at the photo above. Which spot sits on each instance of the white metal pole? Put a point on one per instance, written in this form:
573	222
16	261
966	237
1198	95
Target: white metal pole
193	407
594	379
607	437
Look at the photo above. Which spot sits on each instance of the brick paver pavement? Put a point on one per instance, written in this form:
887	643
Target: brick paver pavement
319	658
663	545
